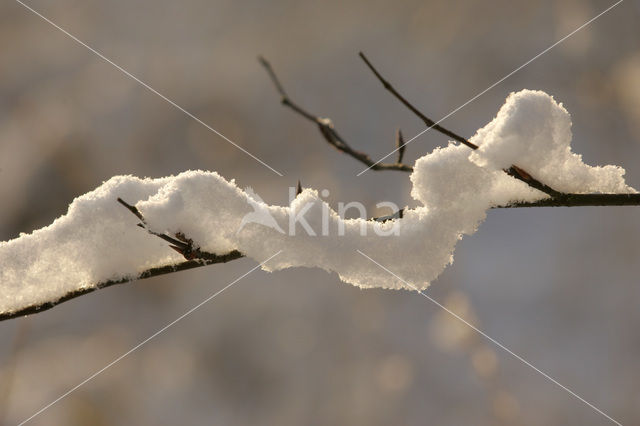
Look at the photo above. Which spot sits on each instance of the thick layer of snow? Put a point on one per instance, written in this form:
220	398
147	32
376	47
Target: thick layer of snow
97	239
533	132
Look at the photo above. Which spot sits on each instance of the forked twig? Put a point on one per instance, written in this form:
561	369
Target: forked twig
327	129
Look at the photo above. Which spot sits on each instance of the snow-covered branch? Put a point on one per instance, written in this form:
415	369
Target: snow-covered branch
207	259
206	219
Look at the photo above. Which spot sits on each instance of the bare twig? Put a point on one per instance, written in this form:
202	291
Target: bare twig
400	145
429	122
513	171
326	127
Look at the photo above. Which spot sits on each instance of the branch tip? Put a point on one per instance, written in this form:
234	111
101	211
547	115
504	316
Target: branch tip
326	128
132	209
400	145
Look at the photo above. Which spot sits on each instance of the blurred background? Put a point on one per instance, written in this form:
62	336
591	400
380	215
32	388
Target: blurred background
557	286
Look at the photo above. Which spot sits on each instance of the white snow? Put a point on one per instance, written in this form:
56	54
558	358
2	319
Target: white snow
533	132
97	239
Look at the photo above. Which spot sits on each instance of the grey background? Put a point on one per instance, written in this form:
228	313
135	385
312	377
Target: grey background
557	286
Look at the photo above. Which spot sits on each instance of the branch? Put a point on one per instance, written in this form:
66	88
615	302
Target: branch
513	171
429	122
557	198
195	258
580	200
327	130
153	272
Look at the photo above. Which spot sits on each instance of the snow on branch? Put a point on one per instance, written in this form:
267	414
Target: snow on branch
206	219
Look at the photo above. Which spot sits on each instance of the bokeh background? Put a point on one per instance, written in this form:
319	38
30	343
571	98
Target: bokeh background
558	286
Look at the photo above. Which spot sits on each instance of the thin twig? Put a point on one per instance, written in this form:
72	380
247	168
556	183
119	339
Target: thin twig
400	145
180	243
513	171
326	127
429	122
